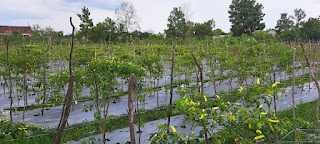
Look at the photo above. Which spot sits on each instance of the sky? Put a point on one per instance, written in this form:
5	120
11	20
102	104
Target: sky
153	14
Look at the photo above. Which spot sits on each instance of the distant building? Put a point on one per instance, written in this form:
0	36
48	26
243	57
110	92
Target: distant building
272	32
221	36
7	30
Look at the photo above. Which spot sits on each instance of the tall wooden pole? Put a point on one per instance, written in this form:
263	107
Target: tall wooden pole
69	96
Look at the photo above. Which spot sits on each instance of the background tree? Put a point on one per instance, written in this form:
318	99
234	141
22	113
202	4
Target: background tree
246	17
291	35
104	31
177	26
186	10
284	23
299	15
121	33
200	30
127	16
85	27
217	32
311	29
86	22
140	35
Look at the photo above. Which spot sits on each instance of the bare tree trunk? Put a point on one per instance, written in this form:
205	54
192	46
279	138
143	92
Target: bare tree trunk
158	77
105	112
130	107
293	102
201	78
50	45
10	81
25	93
171	88
275	107
85	44
68	100
201	98
213	76
317	85
230	87
44	79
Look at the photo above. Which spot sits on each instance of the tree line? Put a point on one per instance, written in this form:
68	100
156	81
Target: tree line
246	17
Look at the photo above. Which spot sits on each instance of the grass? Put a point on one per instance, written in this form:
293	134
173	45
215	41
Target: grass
305	119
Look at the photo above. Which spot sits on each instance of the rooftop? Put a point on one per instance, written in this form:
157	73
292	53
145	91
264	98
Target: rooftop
7	30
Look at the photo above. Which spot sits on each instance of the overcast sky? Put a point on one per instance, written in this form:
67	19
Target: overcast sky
153	13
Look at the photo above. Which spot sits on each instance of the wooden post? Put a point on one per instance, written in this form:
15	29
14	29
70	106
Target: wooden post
130	107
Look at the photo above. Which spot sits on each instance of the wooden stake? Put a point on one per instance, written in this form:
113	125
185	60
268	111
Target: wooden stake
130	107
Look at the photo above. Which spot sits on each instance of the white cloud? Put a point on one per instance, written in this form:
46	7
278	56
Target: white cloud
153	14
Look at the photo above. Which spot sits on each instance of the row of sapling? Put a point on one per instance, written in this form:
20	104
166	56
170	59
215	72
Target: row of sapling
238	66
226	59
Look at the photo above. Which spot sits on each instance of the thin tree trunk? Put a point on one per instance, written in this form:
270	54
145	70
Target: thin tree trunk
10	81
158	66
105	112
44	79
68	100
130	107
317	85
201	78
24	89
201	98
50	63
213	76
293	102
275	110
85	44
171	88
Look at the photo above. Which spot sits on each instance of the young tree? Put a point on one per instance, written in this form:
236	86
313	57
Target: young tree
311	29
69	96
104	31
85	26
186	9
127	16
177	26
284	23
201	30
299	15
86	22
246	17
291	35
